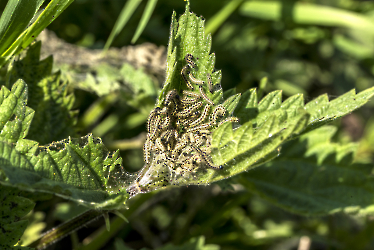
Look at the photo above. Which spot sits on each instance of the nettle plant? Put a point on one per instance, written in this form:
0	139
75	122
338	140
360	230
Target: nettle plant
196	135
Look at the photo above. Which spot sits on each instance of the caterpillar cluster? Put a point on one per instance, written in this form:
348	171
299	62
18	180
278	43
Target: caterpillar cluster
179	135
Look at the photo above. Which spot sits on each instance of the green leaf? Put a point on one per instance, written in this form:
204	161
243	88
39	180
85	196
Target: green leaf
12	207
52	11
81	170
231	103
123	18
314	176
145	19
321	110
15	19
187	36
228	93
77	169
15	116
265	125
244	148
48	96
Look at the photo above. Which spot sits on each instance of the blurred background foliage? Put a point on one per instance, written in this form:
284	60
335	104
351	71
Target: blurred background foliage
325	49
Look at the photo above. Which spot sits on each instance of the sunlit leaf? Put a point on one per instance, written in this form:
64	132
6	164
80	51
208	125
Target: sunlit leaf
321	109
82	169
49	97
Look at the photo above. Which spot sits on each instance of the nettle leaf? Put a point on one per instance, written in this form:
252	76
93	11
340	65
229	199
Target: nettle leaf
265	125
238	149
48	96
187	36
81	170
13	207
15	116
314	176
245	147
231	103
321	110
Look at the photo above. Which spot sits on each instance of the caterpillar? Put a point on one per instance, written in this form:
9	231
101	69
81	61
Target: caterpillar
169	136
203	95
166	123
189	59
151	116
206	158
210	82
188	101
170	96
202	126
147	150
154	128
159	146
218	111
194	80
184	71
173	108
205	132
180	145
230	119
192	94
196	140
202	117
185	113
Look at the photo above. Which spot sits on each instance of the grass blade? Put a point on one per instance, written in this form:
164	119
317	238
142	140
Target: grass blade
219	18
52	11
145	18
14	20
123	18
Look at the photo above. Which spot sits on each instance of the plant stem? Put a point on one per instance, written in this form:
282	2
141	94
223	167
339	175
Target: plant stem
63	230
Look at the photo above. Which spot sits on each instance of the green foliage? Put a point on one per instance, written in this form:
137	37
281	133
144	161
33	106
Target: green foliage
303	170
48	96
13	207
17	27
15	115
15	19
187	36
314	176
76	169
321	110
